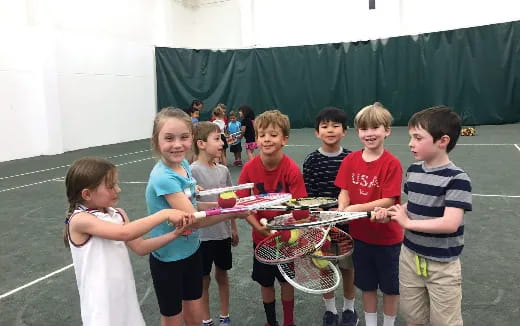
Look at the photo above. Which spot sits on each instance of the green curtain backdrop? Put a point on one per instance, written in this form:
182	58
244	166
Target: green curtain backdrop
476	71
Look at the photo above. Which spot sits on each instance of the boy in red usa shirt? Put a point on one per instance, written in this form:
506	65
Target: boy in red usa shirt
370	178
272	171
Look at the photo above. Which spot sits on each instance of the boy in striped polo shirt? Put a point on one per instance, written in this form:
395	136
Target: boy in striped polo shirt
319	172
433	218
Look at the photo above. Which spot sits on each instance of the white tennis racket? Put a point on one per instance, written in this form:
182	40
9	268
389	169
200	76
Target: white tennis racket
338	244
311	275
234	138
316	218
216	191
307	203
286	245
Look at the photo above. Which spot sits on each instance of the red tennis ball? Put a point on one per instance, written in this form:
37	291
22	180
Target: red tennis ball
227	199
289	236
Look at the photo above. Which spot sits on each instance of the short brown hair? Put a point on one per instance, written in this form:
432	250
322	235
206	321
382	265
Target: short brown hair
373	116
201	131
165	113
274	118
438	121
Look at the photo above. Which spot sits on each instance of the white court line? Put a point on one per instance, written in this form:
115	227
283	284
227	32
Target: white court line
317	145
64	166
35	281
60	178
503	196
517	147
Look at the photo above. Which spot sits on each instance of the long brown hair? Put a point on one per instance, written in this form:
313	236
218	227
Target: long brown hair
85	173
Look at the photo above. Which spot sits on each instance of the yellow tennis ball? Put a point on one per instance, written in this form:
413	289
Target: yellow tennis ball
320	263
294	237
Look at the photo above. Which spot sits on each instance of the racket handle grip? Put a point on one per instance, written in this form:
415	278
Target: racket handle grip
199	215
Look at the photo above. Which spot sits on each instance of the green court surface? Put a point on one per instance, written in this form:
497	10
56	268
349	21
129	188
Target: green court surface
38	287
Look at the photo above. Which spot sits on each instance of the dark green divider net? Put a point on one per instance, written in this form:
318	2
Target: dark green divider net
475	70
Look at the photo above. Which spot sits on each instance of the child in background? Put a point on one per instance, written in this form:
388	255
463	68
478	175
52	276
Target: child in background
248	130
220	114
216	240
177	267
433	218
235	128
272	171
371	178
194	114
96	233
319	172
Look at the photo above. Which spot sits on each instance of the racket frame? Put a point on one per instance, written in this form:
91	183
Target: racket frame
327	203
324	218
276	198
298	266
216	191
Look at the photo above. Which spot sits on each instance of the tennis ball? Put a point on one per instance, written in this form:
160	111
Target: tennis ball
227	199
320	263
289	236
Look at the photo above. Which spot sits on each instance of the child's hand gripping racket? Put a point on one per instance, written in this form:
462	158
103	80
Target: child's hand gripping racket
311	275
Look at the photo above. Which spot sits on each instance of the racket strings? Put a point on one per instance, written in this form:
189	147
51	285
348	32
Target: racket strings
306	276
339	245
273	250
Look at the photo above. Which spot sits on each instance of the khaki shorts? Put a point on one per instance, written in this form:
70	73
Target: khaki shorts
435	298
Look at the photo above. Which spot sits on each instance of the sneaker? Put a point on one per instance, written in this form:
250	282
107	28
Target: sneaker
210	323
223	321
330	319
239	163
349	318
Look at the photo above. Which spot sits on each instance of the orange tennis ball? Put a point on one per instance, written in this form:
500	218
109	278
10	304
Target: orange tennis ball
227	199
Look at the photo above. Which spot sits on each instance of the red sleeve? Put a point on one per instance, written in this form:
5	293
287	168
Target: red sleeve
244	178
297	188
342	177
391	186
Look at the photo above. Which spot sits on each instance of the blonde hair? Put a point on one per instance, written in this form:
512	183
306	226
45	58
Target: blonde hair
86	173
219	110
373	116
167	113
201	131
274	118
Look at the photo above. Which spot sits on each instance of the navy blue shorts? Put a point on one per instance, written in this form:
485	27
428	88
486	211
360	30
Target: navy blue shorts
376	266
218	252
265	274
176	281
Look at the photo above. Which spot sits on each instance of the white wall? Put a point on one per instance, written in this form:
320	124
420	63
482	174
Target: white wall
75	74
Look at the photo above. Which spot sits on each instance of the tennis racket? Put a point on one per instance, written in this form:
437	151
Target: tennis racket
234	138
311	275
247	204
287	245
307	203
216	191
316	218
338	244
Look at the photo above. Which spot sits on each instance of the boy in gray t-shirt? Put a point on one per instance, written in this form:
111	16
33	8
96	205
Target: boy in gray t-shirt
216	240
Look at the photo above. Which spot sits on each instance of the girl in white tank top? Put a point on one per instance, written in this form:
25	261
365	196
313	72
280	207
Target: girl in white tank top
98	235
